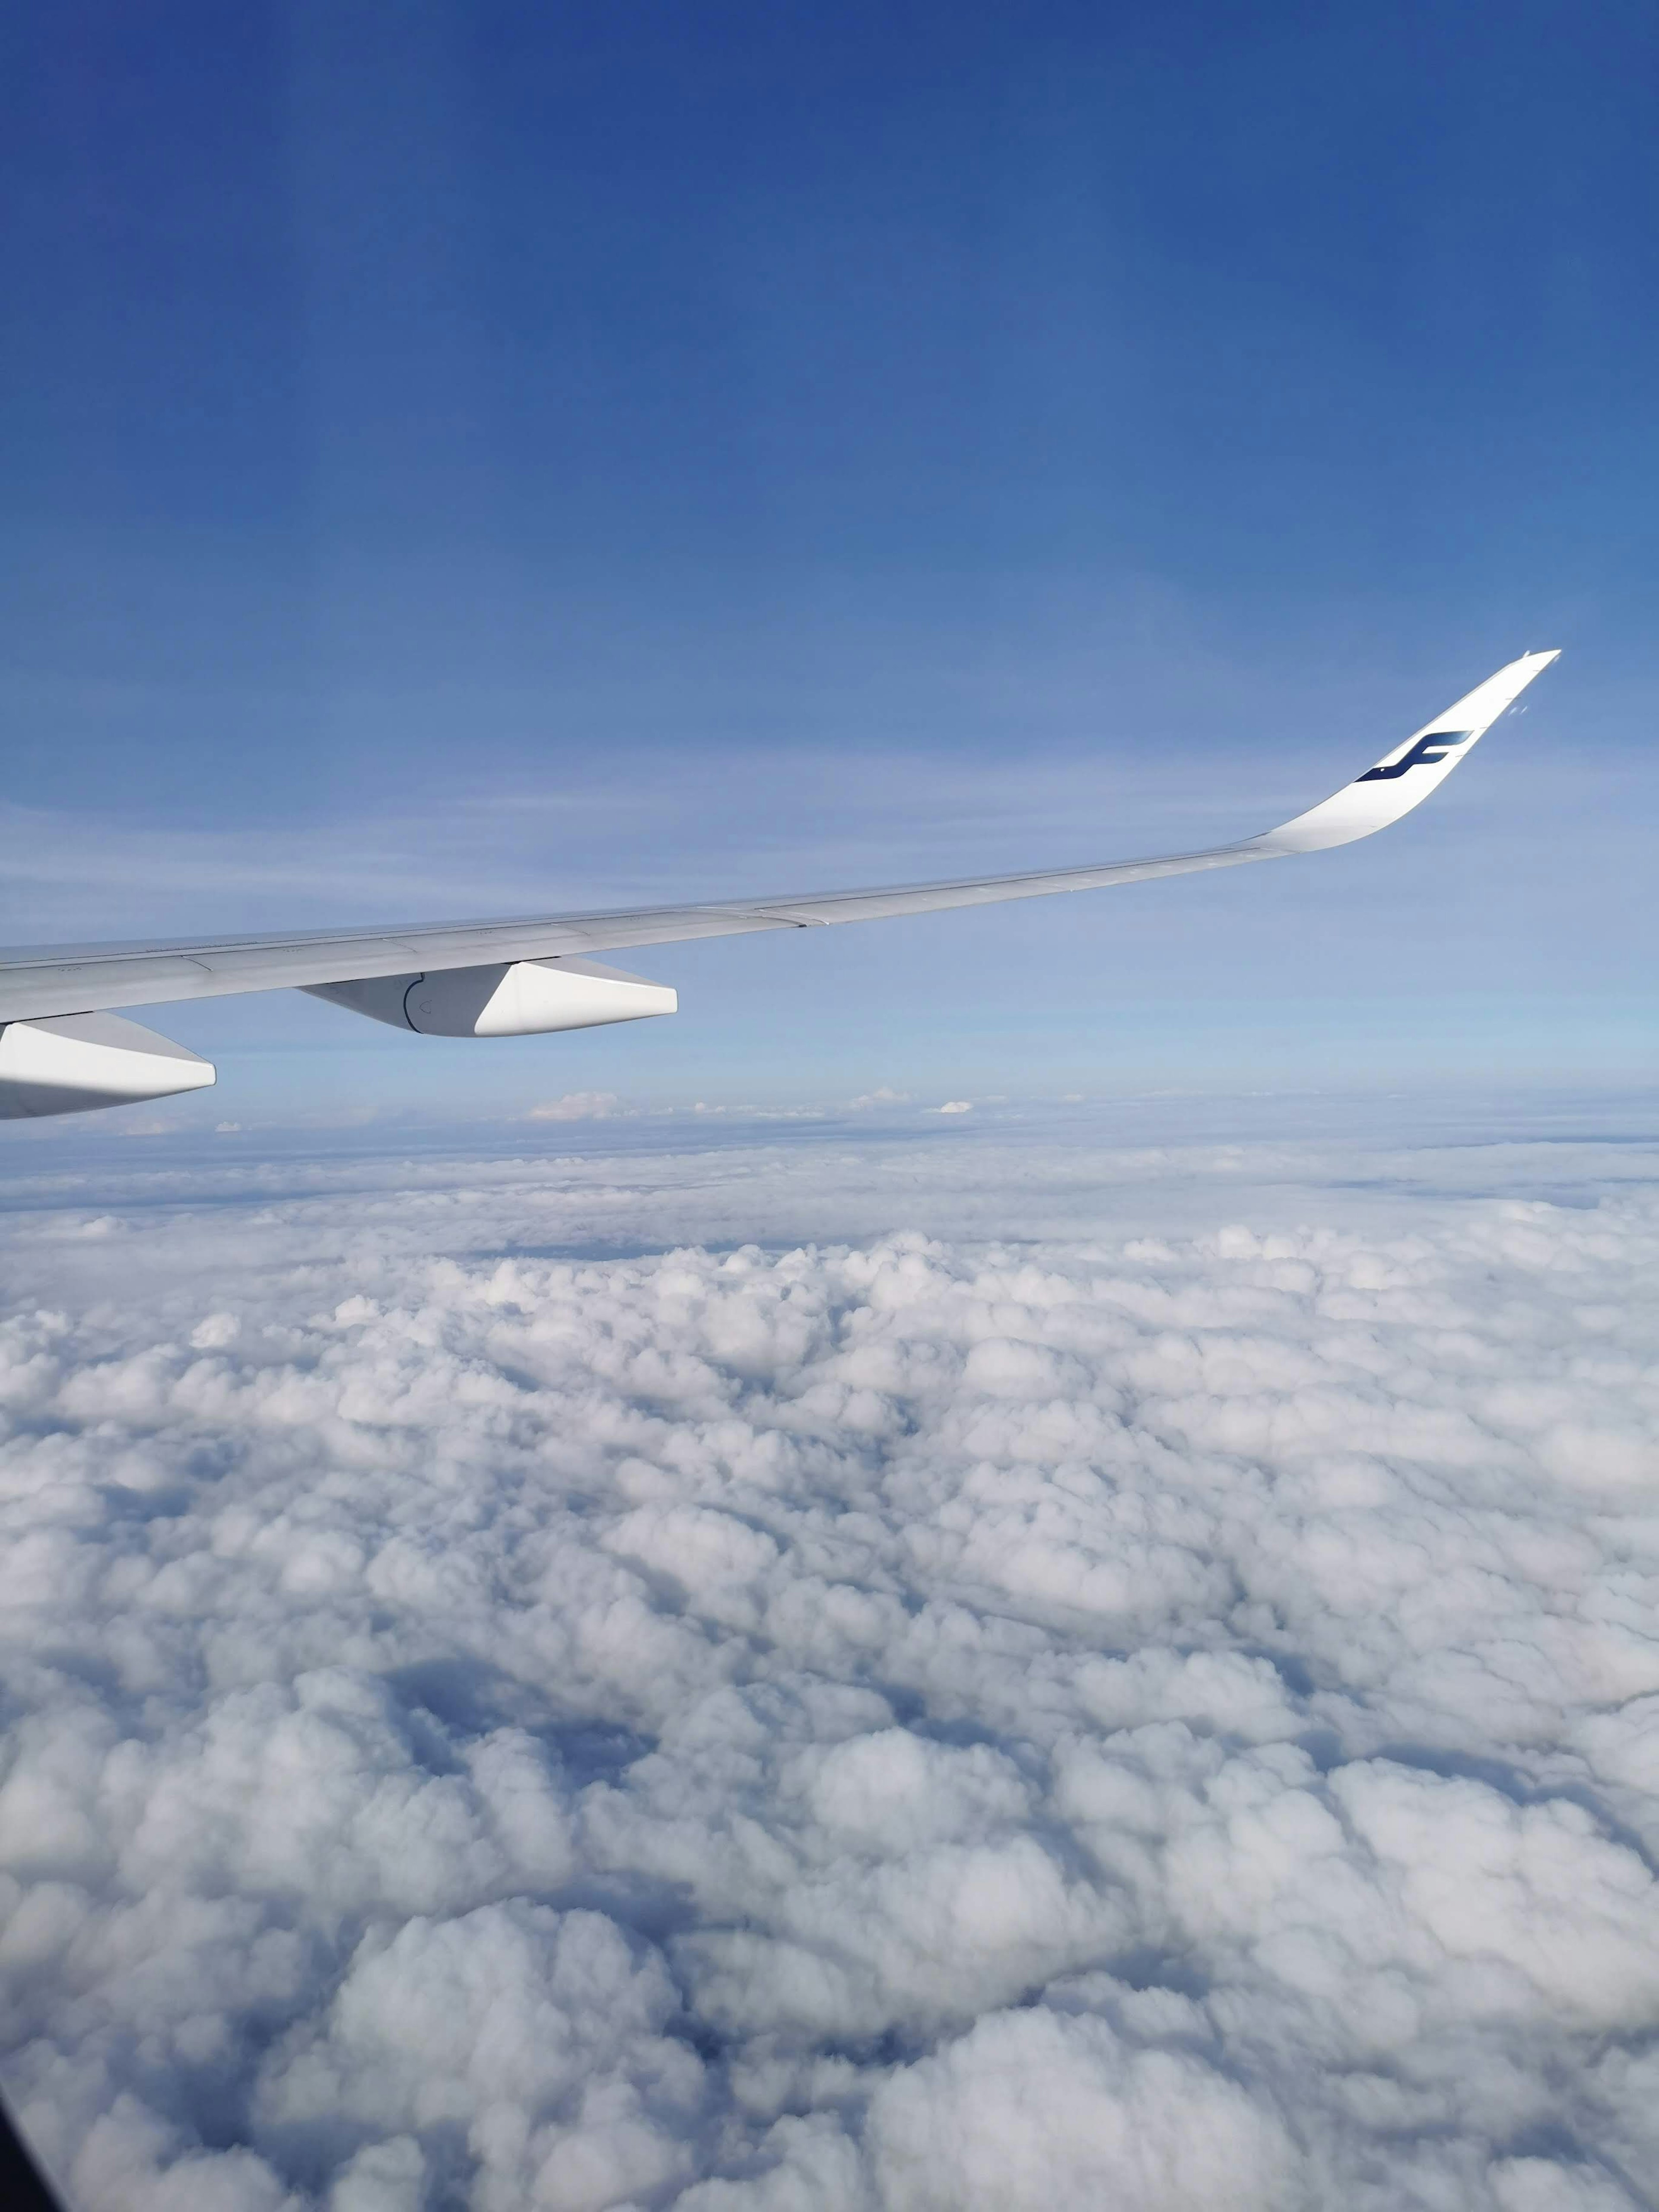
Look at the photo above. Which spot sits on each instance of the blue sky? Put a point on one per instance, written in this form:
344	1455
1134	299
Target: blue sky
471	459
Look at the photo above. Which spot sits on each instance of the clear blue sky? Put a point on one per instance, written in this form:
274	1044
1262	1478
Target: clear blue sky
467	457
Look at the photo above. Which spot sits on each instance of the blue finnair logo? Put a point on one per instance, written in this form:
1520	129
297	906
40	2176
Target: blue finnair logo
1423	754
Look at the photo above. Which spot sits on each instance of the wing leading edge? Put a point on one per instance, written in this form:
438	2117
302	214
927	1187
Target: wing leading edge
67	980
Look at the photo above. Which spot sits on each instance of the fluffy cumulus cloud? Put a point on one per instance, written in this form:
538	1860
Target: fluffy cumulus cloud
915	1722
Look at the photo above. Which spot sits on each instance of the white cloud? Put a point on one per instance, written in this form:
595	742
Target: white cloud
1161	1714
882	1096
578	1106
1064	2102
954	1106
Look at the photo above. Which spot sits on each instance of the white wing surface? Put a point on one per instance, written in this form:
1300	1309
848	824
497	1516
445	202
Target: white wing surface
72	980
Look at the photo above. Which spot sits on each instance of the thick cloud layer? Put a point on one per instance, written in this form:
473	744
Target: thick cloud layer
1160	1721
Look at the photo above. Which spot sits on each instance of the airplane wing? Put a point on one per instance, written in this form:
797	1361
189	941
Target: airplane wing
58	980
61	1049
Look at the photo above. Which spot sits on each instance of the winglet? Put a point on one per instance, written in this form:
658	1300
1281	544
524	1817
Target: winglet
1404	778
